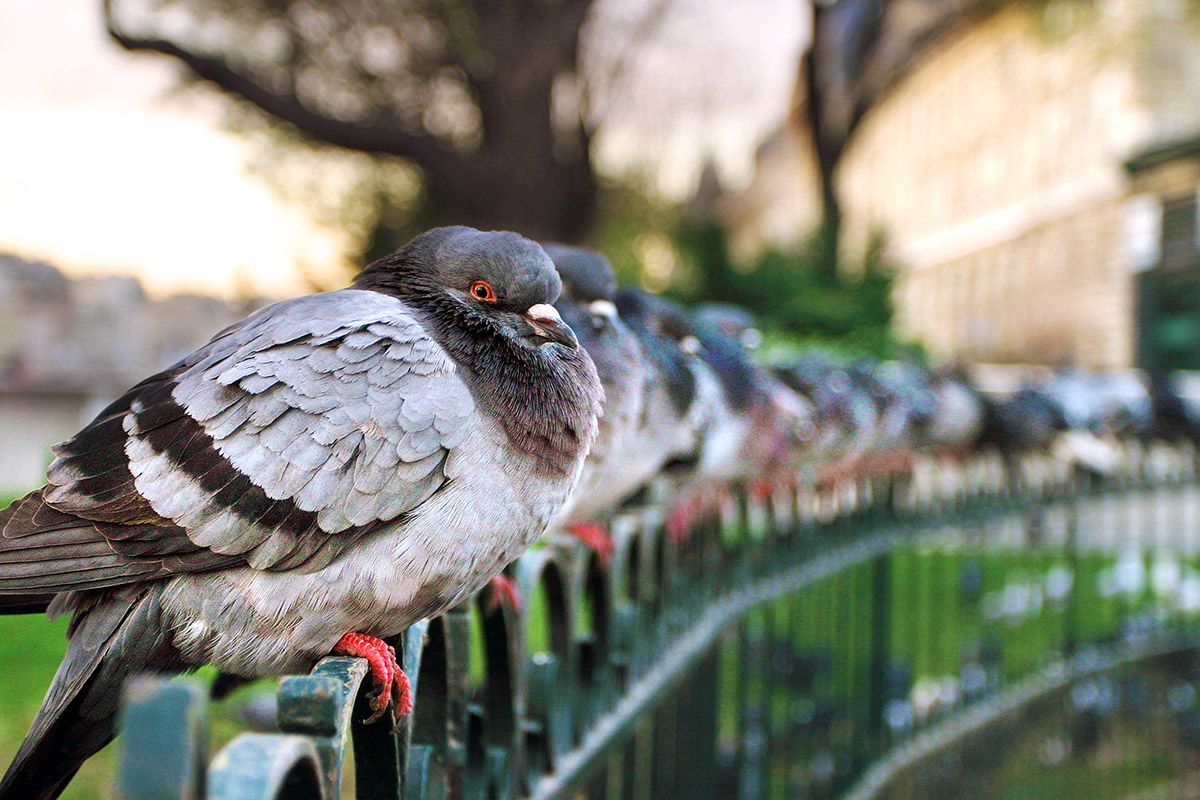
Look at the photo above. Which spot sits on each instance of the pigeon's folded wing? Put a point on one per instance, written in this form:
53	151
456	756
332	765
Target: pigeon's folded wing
285	439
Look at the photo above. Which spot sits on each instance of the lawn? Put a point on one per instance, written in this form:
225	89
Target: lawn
30	648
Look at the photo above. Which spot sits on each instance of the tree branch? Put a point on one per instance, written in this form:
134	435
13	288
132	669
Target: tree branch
385	137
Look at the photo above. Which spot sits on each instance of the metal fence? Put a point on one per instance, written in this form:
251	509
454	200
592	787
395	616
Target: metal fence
790	646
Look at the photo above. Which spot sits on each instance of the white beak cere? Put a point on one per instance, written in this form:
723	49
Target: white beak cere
603	308
751	338
544	312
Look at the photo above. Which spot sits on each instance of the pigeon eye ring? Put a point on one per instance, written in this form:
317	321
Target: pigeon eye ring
482	290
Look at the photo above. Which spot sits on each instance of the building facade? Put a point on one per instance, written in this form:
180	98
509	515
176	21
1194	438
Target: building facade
68	347
1035	173
1024	171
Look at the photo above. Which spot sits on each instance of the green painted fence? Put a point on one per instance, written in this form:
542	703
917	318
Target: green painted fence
782	649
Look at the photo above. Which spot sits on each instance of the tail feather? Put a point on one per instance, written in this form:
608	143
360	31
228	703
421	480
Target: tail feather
111	639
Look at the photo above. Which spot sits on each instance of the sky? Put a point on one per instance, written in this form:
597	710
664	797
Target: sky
710	81
107	168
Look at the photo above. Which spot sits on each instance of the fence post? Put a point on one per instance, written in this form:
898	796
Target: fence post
881	613
165	728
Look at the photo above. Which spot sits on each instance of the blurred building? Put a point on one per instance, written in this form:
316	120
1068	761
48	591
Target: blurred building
1036	171
68	347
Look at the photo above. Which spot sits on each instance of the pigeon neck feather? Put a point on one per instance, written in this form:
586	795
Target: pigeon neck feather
546	399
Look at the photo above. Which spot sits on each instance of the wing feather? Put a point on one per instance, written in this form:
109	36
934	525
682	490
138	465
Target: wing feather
279	443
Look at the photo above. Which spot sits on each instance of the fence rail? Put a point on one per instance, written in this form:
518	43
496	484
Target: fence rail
789	641
1004	709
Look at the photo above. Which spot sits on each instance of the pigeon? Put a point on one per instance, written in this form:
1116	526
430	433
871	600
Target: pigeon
896	414
316	478
1093	408
675	412
781	421
846	417
806	378
1175	403
733	322
586	304
1127	407
1027	421
717	421
756	426
957	421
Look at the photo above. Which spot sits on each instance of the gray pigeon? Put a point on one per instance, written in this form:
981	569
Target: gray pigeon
323	473
681	395
589	287
767	425
755	423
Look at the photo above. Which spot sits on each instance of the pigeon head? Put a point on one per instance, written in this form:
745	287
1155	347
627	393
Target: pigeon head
589	286
486	298
642	311
586	275
732	321
493	279
729	361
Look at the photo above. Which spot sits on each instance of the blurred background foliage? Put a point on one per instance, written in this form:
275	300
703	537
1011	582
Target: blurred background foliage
803	297
482	100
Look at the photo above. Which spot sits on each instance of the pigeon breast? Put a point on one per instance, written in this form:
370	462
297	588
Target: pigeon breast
619	364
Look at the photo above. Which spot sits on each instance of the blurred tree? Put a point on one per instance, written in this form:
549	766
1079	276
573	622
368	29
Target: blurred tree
634	221
485	98
860	48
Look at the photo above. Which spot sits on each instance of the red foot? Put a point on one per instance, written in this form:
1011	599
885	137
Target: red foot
594	536
390	680
704	503
679	521
830	477
504	591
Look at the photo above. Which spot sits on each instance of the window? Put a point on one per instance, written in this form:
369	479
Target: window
1179	231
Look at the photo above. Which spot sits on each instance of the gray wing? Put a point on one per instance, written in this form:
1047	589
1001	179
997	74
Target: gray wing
279	443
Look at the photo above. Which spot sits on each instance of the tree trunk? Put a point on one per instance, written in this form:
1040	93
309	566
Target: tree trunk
525	175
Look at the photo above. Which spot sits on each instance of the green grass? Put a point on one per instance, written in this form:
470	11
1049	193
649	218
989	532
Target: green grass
937	622
30	648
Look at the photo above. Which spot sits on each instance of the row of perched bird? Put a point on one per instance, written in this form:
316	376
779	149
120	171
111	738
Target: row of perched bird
687	400
333	468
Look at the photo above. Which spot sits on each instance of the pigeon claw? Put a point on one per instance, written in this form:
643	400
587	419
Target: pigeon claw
391	683
504	592
681	519
594	536
762	489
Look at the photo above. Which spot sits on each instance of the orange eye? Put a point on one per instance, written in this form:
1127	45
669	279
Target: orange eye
482	290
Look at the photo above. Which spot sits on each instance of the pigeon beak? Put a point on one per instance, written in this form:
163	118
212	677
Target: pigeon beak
548	324
603	308
603	312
